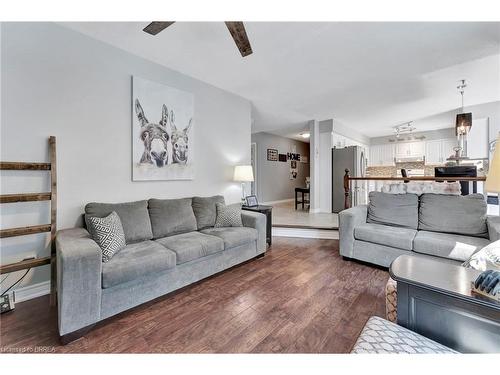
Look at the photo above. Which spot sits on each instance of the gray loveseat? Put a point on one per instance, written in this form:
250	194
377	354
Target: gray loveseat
171	243
443	226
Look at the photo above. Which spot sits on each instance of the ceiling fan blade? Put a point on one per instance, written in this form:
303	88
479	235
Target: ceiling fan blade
239	34
155	27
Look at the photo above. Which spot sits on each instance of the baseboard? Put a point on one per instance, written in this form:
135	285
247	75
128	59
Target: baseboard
314	210
276	202
32	291
306	233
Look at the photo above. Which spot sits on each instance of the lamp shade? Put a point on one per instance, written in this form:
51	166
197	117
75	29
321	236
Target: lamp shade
243	173
492	184
463	123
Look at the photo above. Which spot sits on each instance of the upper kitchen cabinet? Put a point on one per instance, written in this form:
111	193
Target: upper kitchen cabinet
410	150
433	152
381	155
477	139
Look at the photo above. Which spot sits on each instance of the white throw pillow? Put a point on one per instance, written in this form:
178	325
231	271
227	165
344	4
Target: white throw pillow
488	258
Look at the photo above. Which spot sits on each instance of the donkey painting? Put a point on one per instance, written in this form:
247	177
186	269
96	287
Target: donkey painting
154	136
179	139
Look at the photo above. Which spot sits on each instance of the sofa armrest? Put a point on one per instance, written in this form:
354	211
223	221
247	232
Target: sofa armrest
493	227
258	221
348	220
79	265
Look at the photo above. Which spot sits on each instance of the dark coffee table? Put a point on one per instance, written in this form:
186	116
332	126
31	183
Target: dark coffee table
435	300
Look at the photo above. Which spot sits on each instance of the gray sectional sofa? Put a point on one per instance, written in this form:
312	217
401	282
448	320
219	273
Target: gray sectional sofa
443	226
171	243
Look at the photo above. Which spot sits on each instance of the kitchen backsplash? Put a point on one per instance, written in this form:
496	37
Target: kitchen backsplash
392	171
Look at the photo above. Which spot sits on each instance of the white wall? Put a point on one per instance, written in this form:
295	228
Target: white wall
58	82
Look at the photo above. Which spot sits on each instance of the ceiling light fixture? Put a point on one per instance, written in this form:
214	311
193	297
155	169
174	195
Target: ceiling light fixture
407	127
305	135
463	122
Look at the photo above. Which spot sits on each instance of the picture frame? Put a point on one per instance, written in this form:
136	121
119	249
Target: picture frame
251	201
282	157
272	154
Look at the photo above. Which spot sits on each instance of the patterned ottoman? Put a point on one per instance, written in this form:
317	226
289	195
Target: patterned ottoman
391	301
381	336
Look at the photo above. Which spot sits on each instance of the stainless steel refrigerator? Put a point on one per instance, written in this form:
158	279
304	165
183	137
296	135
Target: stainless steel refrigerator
354	159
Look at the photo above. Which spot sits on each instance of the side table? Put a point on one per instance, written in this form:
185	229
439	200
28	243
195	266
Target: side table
435	300
268	211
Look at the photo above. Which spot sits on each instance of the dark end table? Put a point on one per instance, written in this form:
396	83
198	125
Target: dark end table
268	211
435	300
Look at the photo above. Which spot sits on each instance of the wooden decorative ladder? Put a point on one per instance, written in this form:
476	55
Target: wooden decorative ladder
52	227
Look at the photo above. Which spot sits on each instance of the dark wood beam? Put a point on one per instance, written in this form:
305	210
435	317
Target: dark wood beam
239	34
155	27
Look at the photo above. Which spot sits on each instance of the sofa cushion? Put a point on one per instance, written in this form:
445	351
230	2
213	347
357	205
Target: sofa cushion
192	245
136	260
464	215
447	245
401	238
205	210
133	215
171	216
399	210
233	236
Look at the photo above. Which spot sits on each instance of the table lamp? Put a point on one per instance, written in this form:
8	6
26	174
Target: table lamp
243	173
492	184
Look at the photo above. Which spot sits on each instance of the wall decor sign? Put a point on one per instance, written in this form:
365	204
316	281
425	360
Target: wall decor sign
272	154
162	132
293	156
282	157
293	164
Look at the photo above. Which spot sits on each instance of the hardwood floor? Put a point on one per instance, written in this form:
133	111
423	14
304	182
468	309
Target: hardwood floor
302	297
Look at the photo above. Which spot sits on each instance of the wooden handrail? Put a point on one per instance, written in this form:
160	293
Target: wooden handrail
417	178
348	179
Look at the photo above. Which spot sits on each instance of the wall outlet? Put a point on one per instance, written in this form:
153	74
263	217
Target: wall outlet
6	303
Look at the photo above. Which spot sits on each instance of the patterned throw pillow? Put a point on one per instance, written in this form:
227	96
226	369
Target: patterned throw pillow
108	233
228	216
488	258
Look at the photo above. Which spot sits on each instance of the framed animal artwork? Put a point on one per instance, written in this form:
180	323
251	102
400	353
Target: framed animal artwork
162	132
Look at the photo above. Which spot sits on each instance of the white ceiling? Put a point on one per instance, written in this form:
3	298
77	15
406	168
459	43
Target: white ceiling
368	76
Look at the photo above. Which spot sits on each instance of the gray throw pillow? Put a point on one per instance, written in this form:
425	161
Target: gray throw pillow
205	211
228	216
171	216
399	210
133	215
108	233
464	215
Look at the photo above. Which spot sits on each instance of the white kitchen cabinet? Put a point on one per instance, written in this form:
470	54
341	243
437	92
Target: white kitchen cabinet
410	149
437	151
447	146
433	152
381	155
477	140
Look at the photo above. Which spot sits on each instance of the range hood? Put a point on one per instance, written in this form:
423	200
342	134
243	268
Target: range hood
410	159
